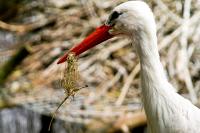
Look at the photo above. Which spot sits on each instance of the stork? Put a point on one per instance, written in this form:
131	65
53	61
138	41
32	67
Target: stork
166	110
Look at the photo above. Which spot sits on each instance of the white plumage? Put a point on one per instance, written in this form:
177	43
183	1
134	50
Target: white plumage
167	111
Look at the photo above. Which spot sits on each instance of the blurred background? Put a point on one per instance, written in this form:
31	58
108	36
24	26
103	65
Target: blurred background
34	33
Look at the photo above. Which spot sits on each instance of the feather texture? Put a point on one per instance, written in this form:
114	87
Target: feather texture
167	111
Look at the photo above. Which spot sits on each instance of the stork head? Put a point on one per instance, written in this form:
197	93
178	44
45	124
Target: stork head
130	18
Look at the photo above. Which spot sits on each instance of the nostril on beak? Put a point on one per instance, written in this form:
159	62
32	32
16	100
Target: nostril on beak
109	23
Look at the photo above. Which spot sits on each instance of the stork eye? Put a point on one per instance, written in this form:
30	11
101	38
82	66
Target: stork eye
112	17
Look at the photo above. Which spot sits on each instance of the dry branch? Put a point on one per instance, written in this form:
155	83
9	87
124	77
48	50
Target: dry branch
182	61
127	85
108	67
14	61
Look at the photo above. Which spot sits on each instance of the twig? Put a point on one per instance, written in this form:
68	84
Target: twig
26	28
53	115
130	121
121	71
168	12
13	62
106	52
183	60
168	39
127	85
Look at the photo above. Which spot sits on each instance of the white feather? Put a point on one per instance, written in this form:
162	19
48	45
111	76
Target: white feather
167	111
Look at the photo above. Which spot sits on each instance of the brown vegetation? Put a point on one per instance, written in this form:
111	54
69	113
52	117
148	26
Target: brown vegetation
112	70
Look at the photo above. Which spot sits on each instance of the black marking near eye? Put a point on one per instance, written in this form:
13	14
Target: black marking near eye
113	16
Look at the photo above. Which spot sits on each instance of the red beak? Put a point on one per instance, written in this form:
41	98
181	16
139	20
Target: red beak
100	35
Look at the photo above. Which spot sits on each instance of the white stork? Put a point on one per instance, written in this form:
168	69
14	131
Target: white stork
167	111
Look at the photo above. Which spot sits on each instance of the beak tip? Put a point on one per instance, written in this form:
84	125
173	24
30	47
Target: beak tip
61	60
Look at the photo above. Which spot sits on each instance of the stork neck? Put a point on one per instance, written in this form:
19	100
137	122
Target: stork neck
152	72
156	89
